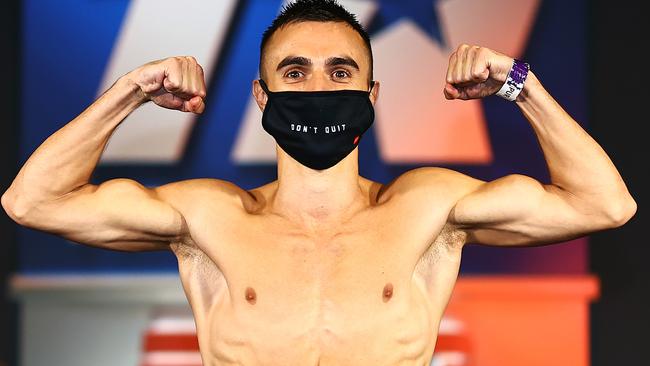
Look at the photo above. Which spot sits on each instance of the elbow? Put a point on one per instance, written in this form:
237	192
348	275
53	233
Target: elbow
16	210
8	203
621	212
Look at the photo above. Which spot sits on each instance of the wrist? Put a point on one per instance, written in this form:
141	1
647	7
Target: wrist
531	83
135	94
500	73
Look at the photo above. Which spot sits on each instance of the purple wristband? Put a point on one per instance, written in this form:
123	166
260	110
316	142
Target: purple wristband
515	81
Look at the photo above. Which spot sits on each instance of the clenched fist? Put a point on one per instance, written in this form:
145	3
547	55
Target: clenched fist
475	72
174	83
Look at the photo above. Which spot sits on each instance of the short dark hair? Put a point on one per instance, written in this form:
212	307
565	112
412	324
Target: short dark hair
318	11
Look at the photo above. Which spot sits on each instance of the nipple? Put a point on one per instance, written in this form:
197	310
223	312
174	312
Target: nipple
251	297
388	292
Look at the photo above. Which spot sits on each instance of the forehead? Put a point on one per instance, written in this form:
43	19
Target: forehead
316	40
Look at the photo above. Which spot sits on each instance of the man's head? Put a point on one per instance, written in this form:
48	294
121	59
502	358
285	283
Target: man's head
315	45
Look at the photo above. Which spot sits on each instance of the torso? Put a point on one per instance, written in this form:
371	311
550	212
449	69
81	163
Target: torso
367	291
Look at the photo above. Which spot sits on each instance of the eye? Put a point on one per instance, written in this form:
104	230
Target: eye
293	74
340	74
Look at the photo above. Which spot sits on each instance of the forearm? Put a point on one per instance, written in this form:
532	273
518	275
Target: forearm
66	159
577	164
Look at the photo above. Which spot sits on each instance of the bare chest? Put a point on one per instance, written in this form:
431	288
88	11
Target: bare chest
263	279
269	263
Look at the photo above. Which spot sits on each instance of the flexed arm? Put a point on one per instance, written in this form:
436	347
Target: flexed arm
586	192
52	190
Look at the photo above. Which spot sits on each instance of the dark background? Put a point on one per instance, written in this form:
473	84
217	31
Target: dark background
618	95
617	92
9	91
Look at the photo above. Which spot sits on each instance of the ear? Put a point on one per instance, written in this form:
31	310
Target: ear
259	94
374	93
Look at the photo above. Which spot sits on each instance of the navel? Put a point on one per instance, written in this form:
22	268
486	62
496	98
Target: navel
387	294
250	295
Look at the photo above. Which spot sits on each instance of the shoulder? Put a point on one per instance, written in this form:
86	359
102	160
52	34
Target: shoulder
430	183
216	193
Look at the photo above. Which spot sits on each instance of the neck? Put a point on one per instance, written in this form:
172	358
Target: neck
311	195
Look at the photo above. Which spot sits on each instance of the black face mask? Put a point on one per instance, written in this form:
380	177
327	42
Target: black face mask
317	128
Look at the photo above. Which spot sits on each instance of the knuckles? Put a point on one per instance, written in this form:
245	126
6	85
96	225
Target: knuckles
468	63
467	48
182	71
181	76
459	59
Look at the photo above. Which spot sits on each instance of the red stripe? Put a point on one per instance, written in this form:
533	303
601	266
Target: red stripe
171	342
458	343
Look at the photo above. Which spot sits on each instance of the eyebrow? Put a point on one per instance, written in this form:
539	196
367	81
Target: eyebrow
294	60
332	61
345	61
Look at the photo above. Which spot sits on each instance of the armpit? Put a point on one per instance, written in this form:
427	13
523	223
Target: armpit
446	245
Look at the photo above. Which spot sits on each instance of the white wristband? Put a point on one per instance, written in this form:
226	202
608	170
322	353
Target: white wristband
515	81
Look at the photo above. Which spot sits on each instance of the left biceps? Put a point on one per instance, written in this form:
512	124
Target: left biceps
519	210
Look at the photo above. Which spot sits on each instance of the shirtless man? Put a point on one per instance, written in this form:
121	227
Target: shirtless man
321	266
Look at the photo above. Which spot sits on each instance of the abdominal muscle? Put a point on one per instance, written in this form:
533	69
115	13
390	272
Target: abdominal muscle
318	331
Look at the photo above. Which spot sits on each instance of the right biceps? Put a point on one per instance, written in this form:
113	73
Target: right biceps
119	214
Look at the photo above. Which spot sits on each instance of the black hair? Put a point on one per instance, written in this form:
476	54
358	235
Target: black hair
318	11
